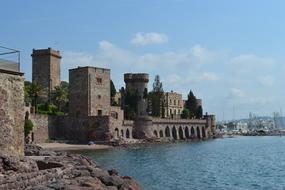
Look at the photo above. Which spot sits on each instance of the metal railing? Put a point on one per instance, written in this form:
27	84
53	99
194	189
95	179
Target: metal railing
9	59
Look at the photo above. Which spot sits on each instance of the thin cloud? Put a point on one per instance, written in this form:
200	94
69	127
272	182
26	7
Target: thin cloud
143	39
266	81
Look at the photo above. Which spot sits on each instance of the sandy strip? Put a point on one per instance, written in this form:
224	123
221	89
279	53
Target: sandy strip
66	147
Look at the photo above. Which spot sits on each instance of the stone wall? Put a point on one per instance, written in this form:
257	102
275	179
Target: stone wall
82	129
11	113
108	128
40	133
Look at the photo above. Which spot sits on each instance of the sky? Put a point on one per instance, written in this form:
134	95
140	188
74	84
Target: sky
229	53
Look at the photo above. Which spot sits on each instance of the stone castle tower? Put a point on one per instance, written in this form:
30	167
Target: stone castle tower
46	70
89	91
138	82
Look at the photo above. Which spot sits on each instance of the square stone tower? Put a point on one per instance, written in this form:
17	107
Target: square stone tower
46	70
89	91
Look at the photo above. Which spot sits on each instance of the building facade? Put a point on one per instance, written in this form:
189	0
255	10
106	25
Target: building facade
46	70
173	105
89	91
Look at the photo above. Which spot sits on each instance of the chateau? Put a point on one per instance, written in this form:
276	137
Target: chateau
91	116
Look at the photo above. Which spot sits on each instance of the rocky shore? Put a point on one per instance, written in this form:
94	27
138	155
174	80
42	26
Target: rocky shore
46	170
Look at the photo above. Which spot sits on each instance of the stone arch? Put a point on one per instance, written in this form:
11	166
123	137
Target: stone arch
180	132
203	132
187	134
198	132
174	133
127	134
167	131
155	133
160	133
117	133
192	132
122	133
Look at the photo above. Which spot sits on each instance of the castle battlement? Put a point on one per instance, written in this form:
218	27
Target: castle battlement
97	69
45	52
136	77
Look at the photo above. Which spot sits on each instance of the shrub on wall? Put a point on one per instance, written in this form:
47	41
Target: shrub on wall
28	127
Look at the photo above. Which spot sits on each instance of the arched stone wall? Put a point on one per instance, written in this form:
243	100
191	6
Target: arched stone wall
123	132
179	130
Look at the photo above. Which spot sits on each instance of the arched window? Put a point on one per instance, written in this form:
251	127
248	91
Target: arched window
174	133
155	133
160	133
167	132
127	134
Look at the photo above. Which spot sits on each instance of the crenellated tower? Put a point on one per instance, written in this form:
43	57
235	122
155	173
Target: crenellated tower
138	82
46	70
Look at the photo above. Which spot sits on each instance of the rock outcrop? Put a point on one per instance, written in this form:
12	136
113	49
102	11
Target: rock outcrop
59	171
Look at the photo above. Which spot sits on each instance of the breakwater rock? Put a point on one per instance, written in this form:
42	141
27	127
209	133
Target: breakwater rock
59	171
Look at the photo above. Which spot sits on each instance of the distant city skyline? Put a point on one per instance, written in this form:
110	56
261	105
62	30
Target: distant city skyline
229	53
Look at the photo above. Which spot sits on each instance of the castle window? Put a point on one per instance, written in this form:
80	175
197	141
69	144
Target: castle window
99	80
174	102
178	103
99	96
114	115
99	112
170	101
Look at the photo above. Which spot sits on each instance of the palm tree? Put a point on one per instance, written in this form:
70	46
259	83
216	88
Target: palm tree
60	94
35	90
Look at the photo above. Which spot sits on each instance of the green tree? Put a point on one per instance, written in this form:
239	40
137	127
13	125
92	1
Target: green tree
60	95
113	93
131	103
191	104
199	112
28	127
156	97
35	91
185	113
112	88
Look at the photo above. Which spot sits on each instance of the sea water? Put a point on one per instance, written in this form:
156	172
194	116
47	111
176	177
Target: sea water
229	163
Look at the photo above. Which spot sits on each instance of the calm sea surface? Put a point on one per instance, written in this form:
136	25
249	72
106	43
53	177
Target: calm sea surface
230	163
